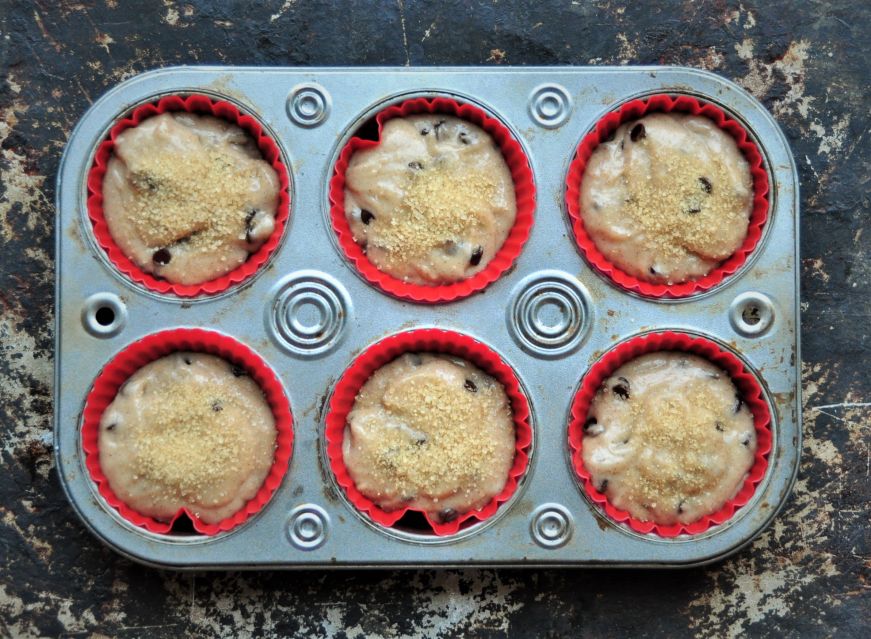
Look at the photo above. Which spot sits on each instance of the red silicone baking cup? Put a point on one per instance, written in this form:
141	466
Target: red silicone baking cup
524	193
745	382
153	347
634	110
203	105
425	340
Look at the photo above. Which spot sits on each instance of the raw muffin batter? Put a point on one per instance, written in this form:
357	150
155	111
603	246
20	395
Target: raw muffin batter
431	433
188	197
187	430
668	198
433	202
668	438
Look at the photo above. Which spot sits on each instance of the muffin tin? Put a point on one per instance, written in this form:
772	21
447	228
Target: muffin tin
308	314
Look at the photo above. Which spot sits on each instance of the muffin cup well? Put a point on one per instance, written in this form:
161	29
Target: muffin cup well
524	191
745	382
152	347
425	341
202	105
634	110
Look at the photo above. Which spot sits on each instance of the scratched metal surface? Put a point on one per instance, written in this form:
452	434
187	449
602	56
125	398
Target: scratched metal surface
307	261
806	576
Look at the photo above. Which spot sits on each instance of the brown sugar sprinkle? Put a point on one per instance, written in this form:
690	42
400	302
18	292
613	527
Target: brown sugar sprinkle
683	217
449	416
186	446
683	430
440	205
198	196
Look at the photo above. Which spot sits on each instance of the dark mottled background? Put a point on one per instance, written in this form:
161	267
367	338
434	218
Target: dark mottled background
808	576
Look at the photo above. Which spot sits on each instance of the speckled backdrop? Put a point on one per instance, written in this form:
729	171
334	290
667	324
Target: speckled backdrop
808	576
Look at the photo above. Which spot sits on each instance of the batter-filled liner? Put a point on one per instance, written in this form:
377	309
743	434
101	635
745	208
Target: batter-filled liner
153	347
635	110
203	105
425	341
524	191
746	384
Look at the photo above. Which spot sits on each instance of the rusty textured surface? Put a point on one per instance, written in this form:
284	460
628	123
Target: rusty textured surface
807	576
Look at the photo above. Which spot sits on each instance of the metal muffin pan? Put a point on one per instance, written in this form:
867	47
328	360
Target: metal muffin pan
308	314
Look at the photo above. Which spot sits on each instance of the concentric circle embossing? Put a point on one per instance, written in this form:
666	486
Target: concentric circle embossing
308	526
308	105
751	314
308	313
551	525
549	313
550	105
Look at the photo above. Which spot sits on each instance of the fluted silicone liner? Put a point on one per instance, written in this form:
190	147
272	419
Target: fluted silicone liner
152	347
634	110
744	381
202	105
524	192
425	341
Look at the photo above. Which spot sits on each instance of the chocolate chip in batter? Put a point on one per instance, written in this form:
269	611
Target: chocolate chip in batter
238	371
217	406
477	254
447	515
470	386
187	360
111	426
653	271
719	426
588	426
680	506
249	217
603	486
738	403
707	187
638	132
144	181
745	441
464	138
366	216
621	388
424	130
420	439
415	166
161	257
436	128
693	210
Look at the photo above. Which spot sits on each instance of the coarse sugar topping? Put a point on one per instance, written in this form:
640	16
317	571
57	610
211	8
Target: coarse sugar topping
187	442
680	214
440	205
683	429
198	195
454	447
